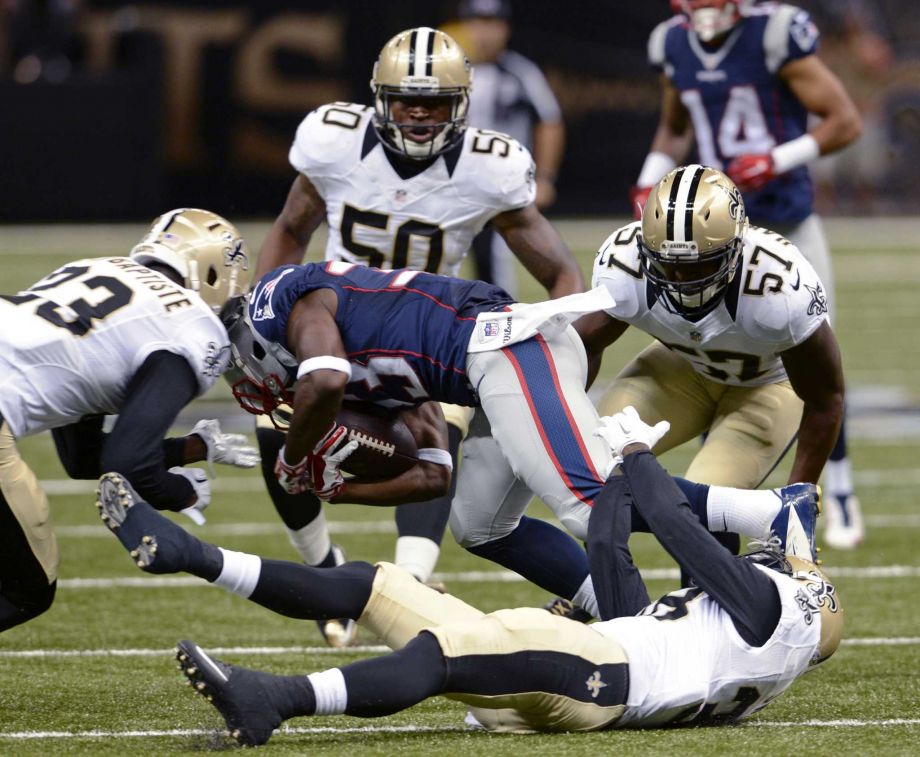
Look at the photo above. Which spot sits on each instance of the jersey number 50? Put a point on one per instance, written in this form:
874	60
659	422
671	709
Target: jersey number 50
399	253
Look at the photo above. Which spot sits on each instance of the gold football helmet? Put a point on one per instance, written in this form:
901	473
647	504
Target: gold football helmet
819	597
691	238
421	63
204	249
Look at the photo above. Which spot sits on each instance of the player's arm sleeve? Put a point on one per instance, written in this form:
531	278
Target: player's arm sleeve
656	45
790	34
747	595
162	386
507	181
618	586
302	155
79	447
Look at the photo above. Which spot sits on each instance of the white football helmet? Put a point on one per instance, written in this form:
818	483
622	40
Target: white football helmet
712	19
428	63
259	374
204	249
691	239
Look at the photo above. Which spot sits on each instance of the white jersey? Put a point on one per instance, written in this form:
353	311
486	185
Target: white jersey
774	303
424	222
72	341
687	662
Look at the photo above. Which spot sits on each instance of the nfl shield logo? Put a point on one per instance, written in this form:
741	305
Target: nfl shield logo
490	328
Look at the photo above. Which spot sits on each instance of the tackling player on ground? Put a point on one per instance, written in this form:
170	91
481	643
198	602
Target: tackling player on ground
405	184
711	654
744	80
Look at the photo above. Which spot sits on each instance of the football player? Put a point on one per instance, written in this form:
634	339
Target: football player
138	336
744	350
437	338
405	184
748	629
744	80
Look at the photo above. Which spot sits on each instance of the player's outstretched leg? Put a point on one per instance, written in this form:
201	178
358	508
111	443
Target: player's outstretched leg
155	543
245	698
797	520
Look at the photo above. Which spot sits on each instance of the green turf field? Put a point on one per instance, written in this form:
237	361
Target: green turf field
95	674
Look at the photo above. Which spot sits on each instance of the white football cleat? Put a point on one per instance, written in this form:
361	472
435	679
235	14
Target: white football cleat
843	520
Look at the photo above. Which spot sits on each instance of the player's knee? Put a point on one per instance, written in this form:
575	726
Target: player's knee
471	535
30	599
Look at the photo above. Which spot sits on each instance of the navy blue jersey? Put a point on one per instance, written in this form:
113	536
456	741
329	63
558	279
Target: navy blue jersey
736	100
406	333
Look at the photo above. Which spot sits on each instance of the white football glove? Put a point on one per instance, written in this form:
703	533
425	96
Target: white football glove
228	449
626	427
199	481
330	452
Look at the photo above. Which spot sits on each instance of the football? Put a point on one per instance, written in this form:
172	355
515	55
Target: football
386	446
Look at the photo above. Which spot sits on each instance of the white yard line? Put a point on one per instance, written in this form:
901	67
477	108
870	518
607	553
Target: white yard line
174	732
867	641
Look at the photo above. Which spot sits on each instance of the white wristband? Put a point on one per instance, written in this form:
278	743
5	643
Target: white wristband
324	361
654	169
435	455
794	153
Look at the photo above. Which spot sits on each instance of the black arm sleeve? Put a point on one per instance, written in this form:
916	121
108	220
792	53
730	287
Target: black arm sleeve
79	446
742	590
163	385
618	586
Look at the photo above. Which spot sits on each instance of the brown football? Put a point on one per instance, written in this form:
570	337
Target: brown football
386	446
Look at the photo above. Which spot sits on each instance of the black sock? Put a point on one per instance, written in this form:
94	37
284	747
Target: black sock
205	561
391	683
541	553
299	591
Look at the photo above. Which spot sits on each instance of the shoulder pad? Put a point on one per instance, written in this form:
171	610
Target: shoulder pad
657	39
329	135
616	267
793	303
789	34
499	169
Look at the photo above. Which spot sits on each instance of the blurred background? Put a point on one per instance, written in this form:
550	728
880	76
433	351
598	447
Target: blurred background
115	111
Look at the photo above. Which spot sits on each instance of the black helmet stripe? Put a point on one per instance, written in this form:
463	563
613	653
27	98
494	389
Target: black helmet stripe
421	50
672	200
680	203
691	201
412	40
429	55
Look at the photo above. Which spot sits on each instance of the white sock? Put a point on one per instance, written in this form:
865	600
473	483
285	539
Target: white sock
417	555
742	511
838	477
312	541
330	692
585	597
240	573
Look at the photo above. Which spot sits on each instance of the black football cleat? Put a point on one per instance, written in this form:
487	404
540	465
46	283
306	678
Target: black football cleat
240	695
155	543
